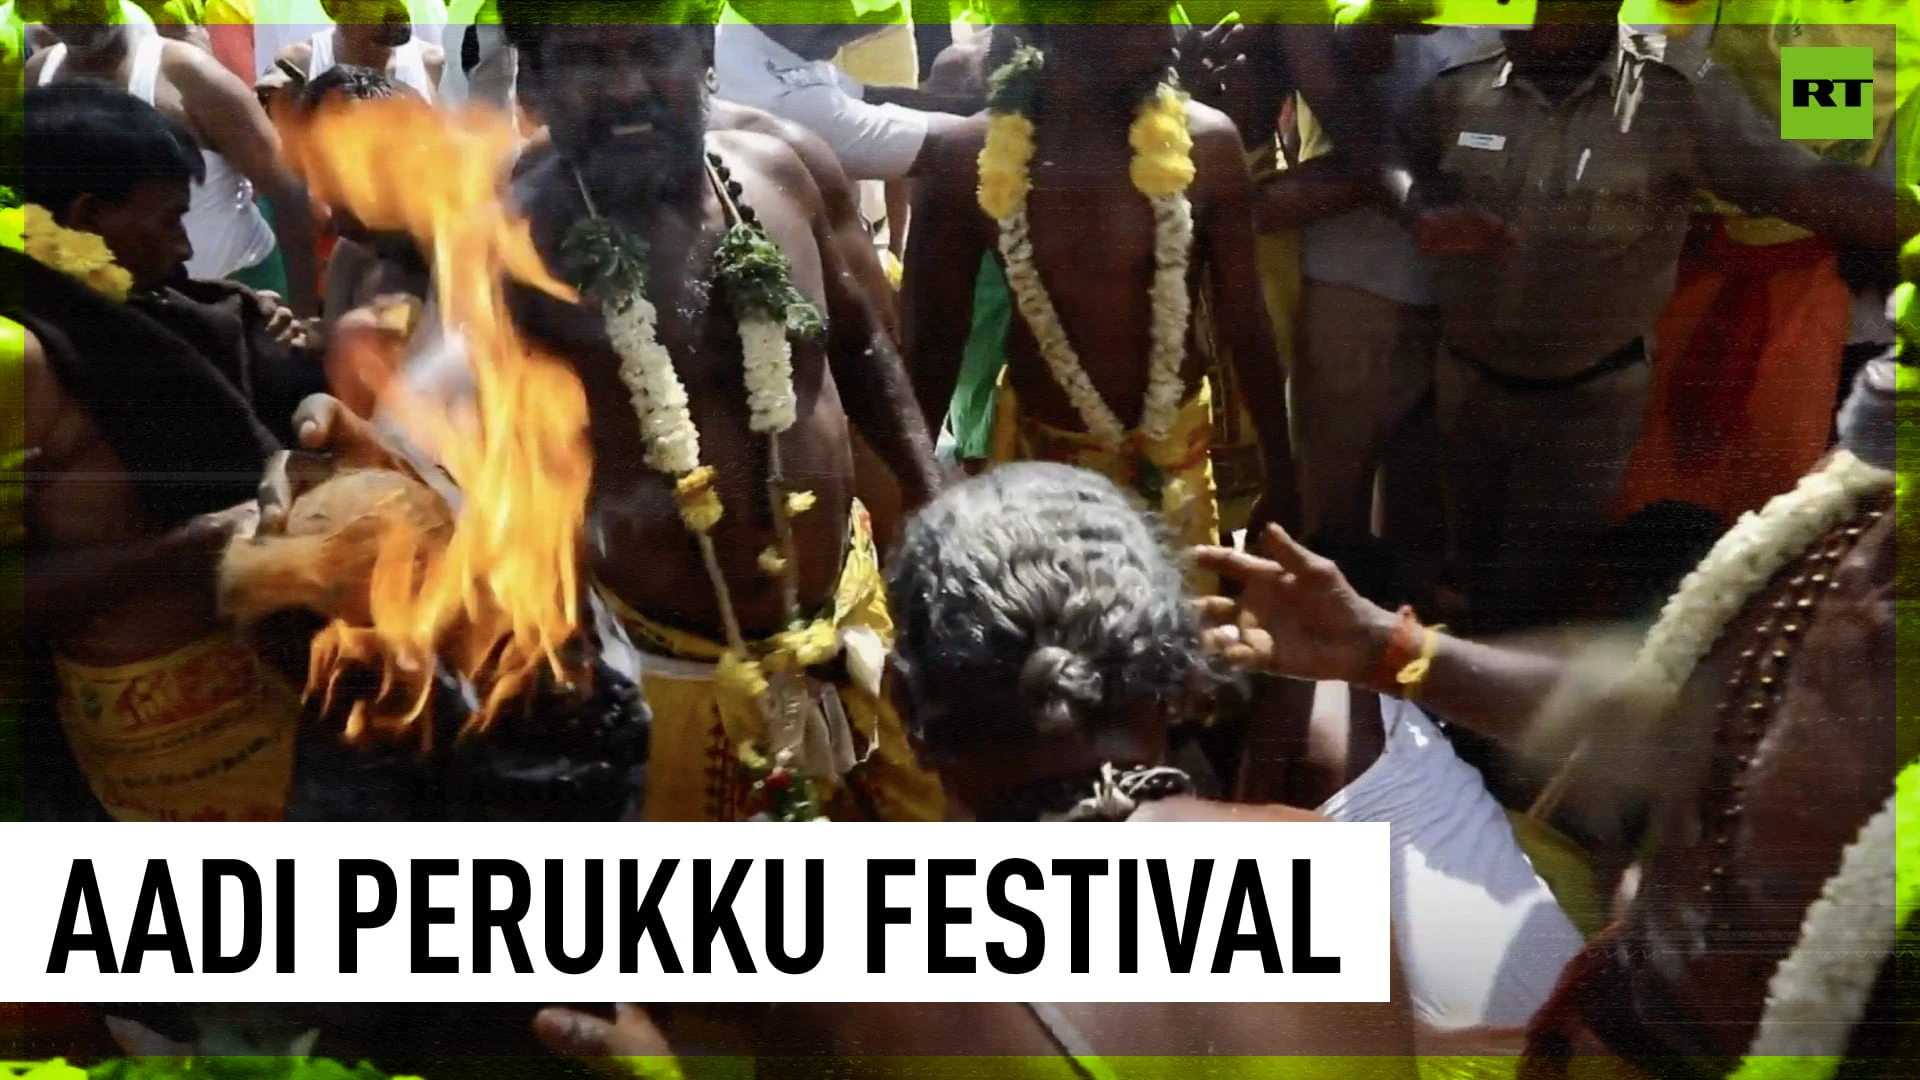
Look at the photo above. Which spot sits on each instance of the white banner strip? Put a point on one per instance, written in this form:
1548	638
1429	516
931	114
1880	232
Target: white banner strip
679	912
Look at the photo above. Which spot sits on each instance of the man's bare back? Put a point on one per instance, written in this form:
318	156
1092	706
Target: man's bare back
639	547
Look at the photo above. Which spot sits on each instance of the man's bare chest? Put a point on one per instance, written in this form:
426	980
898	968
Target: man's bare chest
1099	231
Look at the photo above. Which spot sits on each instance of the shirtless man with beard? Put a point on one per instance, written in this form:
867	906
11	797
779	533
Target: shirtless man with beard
626	107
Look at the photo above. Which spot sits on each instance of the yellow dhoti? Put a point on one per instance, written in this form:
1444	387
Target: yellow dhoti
701	724
1186	499
205	733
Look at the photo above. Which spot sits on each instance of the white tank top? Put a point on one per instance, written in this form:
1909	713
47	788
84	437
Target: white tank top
1481	937
227	230
409	65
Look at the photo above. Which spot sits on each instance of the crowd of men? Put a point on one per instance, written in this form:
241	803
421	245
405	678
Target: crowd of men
1177	375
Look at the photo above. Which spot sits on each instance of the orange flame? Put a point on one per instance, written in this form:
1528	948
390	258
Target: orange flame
497	598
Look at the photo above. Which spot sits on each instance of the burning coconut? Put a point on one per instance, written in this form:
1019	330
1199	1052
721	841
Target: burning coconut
454	677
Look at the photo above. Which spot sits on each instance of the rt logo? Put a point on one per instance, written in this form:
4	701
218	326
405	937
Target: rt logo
1826	93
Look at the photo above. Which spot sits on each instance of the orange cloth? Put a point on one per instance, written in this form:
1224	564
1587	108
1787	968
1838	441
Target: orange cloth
1746	372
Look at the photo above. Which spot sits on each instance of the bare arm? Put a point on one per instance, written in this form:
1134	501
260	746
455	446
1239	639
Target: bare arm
230	120
1226	231
1308	192
958	104
1744	161
943	263
866	363
64	587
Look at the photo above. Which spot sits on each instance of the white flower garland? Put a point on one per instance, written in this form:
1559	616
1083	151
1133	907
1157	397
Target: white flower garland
1820	991
1172	307
672	443
1738	567
767	354
660	399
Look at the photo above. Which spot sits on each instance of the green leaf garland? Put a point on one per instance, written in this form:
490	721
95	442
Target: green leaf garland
603	259
1015	86
759	282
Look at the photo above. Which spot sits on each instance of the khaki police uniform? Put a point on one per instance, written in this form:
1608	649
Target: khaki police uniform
1544	372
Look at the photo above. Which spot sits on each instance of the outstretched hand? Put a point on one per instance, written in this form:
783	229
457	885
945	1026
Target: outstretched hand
1296	614
1209	60
628	1046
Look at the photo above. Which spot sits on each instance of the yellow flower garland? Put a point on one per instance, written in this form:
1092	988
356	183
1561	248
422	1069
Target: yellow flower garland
1162	162
82	256
1162	146
1162	169
1003	164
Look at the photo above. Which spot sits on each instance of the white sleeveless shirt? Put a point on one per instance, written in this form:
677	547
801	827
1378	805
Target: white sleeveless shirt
227	230
409	65
1481	938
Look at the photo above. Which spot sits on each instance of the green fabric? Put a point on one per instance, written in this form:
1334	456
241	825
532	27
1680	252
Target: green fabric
267	275
970	416
270	273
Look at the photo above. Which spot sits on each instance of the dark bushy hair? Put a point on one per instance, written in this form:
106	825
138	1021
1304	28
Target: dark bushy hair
1035	598
93	138
349	81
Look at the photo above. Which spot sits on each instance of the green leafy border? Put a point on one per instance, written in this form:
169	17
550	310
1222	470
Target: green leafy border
759	282
1014	88
603	259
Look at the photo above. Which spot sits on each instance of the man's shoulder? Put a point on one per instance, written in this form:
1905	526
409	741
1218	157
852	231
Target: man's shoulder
955	150
192	70
766	152
1666	55
1208	123
1217	142
727	115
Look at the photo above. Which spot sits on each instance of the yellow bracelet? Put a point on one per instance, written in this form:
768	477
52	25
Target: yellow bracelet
1415	673
654	1068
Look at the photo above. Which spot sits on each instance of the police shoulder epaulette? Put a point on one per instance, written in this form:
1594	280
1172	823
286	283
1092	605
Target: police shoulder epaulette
1484	54
1684	50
